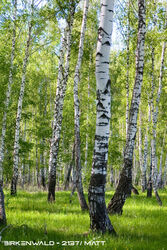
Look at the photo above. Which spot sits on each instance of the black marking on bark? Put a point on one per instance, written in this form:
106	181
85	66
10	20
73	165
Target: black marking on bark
99	138
99	54
104	116
107	43
101	29
100	104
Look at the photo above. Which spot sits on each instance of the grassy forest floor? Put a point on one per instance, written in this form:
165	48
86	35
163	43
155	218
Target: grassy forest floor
143	224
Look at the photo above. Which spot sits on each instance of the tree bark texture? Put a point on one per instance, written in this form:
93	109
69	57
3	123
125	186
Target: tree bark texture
79	185
99	219
165	171
59	101
127	71
19	112
125	181
154	118
2	208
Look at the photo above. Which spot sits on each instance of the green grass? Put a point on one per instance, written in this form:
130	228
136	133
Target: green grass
143	224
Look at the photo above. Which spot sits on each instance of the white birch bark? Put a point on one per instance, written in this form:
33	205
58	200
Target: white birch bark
127	71
59	101
159	181
19	110
99	219
165	172
87	116
79	186
144	165
23	160
8	93
125	182
140	139
154	120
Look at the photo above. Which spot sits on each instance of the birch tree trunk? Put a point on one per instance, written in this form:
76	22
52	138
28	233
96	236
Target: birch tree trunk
144	165
127	72
125	181
151	107
159	181
23	161
99	219
2	208
154	118
67	178
10	82
58	112
19	111
79	186
37	165
165	171
145	154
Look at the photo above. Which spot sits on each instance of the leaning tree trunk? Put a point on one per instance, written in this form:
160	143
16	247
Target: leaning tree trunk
99	219
10	82
19	112
79	186
125	181
58	112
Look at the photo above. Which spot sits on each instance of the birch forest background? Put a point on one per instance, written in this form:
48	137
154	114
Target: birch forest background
83	124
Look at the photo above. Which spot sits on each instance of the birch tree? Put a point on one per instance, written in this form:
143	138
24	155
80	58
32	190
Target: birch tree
79	186
10	82
19	108
99	219
59	101
127	71
145	154
125	181
154	120
165	171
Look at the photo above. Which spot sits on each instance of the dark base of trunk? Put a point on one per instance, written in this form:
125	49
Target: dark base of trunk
134	190
158	198
160	185
72	192
82	200
99	219
149	190
66	186
14	187
2	208
123	190
116	204
51	190
43	183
